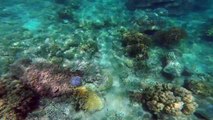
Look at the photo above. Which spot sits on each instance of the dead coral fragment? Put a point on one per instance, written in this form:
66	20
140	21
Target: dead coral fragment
166	98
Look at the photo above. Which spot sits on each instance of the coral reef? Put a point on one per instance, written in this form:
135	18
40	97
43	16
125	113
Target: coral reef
136	44
166	98
44	78
85	99
18	100
49	80
200	87
89	47
106	51
170	36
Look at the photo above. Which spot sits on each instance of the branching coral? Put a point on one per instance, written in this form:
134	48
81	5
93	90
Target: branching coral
166	98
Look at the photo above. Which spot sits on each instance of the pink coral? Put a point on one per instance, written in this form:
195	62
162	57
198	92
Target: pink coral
47	79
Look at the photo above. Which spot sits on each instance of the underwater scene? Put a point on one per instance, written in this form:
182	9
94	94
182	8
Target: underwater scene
106	59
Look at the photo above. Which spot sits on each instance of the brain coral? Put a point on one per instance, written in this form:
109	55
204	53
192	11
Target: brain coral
166	98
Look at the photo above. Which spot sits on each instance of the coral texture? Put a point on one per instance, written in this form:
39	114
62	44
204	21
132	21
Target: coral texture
87	100
18	101
166	98
136	44
45	79
171	36
200	87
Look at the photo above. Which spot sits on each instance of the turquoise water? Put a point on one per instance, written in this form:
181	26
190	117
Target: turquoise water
134	60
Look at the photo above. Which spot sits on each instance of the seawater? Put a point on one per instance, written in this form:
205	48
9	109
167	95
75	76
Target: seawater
118	48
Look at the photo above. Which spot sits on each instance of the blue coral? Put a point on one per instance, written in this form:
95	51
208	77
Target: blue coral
76	81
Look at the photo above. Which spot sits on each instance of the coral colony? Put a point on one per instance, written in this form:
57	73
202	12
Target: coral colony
106	60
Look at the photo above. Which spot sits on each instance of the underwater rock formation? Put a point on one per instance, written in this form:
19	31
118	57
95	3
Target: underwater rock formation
168	99
44	78
173	67
17	101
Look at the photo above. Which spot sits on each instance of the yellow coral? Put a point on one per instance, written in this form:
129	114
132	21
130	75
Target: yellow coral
90	100
93	102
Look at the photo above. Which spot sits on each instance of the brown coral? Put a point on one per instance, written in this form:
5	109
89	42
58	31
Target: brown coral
136	44
18	101
170	36
166	98
2	89
200	87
